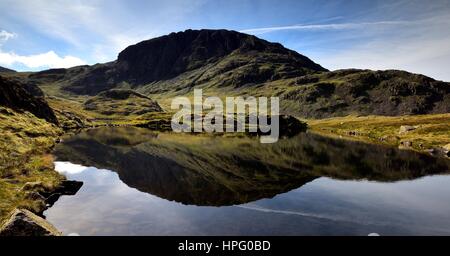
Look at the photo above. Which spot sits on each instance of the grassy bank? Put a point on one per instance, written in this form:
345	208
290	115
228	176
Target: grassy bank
430	131
24	146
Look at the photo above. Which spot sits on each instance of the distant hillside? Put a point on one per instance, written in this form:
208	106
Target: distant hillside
6	70
229	63
17	97
121	102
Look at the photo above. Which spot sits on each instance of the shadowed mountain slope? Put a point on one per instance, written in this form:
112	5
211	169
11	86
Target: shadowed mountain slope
17	97
6	70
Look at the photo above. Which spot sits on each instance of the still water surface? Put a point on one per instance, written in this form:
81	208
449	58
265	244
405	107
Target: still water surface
138	182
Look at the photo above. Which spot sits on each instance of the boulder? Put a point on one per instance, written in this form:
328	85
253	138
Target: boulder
353	133
390	138
68	187
38	192
446	147
407	128
405	144
291	126
34	186
25	223
437	152
431	151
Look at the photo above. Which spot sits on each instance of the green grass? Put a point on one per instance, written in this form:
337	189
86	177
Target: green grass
24	146
97	117
432	131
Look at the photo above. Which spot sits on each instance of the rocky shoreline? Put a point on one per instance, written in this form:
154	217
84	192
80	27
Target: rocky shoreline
23	222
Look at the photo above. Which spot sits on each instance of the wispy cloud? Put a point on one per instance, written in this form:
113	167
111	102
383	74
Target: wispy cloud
422	47
423	55
58	19
5	36
332	26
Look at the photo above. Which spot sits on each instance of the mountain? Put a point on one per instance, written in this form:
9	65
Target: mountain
6	70
203	54
16	96
229	63
169	56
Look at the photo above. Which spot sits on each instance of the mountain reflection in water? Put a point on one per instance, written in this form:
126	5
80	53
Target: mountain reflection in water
218	171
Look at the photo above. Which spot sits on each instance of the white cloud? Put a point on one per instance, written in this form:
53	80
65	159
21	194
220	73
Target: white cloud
98	28
43	60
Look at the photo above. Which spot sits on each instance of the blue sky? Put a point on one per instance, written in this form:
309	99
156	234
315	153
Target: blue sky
413	35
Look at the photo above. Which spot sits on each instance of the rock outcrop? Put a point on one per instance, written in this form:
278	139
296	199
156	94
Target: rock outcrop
25	223
406	128
17	96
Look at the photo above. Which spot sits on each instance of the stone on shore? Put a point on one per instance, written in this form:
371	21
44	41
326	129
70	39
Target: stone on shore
25	223
447	147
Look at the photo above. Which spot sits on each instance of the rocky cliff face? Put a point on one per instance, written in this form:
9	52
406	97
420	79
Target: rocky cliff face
18	97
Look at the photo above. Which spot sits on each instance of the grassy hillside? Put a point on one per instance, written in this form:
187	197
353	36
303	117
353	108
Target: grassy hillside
121	103
366	92
24	146
29	129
